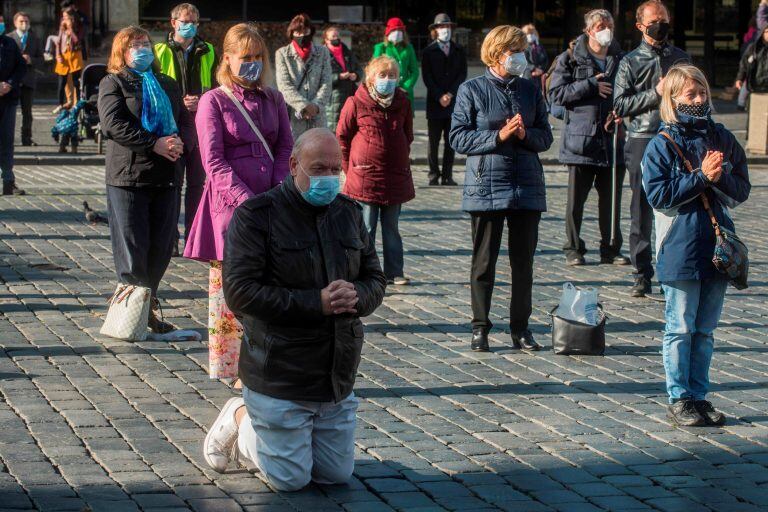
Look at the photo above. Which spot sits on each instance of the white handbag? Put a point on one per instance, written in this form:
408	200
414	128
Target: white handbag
128	313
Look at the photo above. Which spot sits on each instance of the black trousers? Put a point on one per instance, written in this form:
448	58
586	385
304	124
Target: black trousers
437	129
26	113
195	176
581	178
640	210
523	234
142	225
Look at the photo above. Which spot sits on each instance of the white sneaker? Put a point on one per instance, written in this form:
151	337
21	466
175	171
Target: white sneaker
222	436
402	281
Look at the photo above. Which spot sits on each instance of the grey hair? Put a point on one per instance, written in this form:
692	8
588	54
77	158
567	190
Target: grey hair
595	16
308	138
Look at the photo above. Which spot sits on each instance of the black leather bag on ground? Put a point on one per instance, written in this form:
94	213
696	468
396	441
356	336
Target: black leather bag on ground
571	338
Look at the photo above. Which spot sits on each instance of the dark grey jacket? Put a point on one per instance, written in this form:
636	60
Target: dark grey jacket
35	52
574	86
634	90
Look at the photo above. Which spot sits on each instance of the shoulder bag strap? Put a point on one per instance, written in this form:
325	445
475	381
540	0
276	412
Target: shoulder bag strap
248	118
704	198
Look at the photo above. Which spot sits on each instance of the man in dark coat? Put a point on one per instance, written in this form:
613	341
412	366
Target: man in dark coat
32	53
12	69
299	271
444	69
636	97
582	82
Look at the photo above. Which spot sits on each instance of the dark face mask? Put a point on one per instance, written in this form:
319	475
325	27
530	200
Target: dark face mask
303	40
700	111
335	42
658	31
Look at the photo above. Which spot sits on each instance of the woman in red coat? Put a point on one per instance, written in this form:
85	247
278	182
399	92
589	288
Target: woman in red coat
375	132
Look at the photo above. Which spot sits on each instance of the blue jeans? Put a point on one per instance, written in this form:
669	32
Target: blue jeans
692	313
7	129
390	233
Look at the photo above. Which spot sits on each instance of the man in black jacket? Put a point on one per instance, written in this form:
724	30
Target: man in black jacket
12	70
299	271
582	82
444	69
636	97
32	53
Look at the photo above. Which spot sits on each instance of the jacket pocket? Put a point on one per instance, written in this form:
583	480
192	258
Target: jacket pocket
293	261
476	182
579	137
352	248
299	361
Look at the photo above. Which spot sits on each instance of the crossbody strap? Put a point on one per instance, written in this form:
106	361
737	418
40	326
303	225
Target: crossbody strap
248	118
704	198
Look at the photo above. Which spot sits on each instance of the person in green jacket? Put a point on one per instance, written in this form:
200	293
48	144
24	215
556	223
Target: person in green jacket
396	45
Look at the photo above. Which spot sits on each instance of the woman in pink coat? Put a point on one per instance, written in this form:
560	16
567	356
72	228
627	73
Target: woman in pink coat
240	163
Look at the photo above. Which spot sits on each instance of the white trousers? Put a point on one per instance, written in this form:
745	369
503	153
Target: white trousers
292	443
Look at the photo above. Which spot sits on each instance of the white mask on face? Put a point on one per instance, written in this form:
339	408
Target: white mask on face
444	35
396	36
531	38
604	37
516	63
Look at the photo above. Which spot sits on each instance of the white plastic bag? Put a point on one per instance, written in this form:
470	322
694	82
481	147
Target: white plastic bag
579	305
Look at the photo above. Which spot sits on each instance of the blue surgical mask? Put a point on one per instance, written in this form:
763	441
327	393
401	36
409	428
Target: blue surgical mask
516	63
141	58
2	28
250	71
322	189
385	86
187	30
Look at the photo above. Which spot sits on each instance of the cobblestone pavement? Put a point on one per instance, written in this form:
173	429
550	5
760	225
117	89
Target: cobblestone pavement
89	423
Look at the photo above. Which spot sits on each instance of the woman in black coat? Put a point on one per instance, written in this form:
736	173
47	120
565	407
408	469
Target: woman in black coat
346	73
139	110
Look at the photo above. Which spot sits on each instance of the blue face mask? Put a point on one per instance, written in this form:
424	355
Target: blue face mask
142	58
385	86
322	189
250	71
187	30
2	28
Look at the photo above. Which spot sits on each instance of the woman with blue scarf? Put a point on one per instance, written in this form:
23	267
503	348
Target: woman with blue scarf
139	111
685	235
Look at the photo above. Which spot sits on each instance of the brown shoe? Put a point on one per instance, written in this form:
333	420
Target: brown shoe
155	324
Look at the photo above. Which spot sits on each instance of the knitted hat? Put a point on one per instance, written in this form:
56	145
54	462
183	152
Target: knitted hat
394	24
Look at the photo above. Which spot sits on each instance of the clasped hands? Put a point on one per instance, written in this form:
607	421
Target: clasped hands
170	147
339	297
514	126
712	165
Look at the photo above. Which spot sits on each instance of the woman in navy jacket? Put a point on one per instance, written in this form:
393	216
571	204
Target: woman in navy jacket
500	123
685	237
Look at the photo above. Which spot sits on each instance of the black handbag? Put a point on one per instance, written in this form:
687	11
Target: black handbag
731	255
572	338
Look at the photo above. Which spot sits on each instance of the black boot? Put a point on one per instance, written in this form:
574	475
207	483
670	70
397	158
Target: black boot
684	413
10	189
641	287
711	415
523	340
480	340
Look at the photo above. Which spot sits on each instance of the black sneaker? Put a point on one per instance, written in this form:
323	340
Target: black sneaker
641	287
434	182
684	414
448	182
619	259
711	415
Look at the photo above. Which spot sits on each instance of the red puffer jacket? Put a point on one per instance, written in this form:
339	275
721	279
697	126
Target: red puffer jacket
375	147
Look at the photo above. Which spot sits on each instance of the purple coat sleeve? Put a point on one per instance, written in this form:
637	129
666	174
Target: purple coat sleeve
284	144
223	179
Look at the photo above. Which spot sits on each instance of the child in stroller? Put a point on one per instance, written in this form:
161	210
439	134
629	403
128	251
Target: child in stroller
66	129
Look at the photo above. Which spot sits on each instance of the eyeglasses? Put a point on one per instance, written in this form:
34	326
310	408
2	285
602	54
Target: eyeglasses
137	45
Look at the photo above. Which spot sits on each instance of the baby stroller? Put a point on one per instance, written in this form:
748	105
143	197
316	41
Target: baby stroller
66	129
89	114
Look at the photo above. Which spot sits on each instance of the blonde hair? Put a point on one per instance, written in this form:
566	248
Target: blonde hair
674	83
378	64
499	40
120	45
242	38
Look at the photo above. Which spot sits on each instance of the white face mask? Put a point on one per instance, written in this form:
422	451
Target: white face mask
516	63
396	36
604	37
444	35
531	38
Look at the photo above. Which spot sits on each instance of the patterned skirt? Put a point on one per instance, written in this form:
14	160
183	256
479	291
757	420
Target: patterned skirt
224	330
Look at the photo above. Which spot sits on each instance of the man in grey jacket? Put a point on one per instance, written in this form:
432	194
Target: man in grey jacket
636	97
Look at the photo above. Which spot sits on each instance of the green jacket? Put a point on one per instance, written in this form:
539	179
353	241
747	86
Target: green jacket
406	58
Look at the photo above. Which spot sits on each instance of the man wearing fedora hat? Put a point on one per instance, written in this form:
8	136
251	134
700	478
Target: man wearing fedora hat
444	69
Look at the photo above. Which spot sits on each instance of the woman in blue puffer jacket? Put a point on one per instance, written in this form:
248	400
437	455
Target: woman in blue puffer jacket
500	123
685	237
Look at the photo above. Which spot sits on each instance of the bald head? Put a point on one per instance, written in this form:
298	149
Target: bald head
317	153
